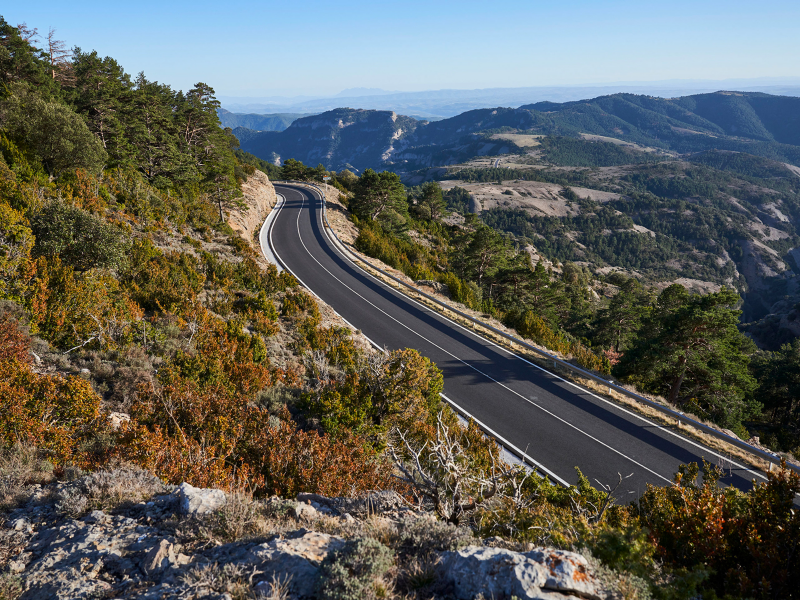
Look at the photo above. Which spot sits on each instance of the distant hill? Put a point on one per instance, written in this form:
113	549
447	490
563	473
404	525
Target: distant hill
446	103
689	123
270	122
756	123
344	138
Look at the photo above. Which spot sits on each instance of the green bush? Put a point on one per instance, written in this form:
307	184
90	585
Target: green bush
423	537
78	238
355	571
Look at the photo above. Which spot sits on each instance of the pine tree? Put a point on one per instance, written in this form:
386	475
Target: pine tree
694	354
381	197
618	324
485	254
431	204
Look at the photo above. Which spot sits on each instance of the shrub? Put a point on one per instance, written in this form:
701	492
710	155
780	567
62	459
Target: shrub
107	489
75	309
532	326
10	587
56	414
78	238
230	580
160	281
355	572
424	537
462	291
16	242
410	258
239	518
747	540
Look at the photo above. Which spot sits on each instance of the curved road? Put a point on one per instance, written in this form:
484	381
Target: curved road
559	424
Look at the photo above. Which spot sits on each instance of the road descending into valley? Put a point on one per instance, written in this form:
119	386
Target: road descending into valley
556	423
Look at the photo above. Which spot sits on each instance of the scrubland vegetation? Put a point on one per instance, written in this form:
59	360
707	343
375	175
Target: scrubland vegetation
136	329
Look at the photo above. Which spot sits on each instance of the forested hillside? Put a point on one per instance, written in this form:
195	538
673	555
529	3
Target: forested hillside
755	123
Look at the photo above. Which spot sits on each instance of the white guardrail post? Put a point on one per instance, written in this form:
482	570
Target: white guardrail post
772	459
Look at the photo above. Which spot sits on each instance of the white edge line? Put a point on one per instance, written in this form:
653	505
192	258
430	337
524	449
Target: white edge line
345	254
506	444
267	251
524	457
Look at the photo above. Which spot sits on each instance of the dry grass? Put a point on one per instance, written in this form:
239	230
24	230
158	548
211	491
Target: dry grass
242	518
10	587
20	467
109	489
232	579
520	139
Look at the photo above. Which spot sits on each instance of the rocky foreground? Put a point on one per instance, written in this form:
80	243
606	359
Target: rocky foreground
123	534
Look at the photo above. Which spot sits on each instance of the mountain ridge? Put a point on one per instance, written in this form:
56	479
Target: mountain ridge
752	122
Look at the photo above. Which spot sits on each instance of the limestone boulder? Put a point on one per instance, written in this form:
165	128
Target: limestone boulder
199	501
541	574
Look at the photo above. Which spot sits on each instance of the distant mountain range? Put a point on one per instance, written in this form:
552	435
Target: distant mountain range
756	123
257	122
441	104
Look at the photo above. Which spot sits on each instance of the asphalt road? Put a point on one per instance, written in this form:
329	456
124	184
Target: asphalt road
558	424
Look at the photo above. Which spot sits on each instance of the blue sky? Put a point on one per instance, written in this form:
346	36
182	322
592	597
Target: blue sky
246	48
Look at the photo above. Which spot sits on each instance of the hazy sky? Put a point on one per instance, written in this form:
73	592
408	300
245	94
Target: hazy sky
265	48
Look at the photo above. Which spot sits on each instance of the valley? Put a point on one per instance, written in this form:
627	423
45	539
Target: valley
702	190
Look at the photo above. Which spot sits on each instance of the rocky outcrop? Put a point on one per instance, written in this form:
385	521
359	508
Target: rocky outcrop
199	501
147	549
543	573
259	198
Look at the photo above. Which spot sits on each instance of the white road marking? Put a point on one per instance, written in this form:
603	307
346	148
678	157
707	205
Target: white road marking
529	401
568	382
275	252
508	444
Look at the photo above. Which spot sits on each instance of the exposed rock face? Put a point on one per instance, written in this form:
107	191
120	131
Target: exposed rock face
386	501
140	553
259	198
296	557
199	501
65	562
540	574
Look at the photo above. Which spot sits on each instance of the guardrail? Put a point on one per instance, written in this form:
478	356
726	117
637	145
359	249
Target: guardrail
772	459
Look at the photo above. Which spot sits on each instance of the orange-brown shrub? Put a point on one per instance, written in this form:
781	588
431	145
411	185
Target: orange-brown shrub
53	413
748	541
212	436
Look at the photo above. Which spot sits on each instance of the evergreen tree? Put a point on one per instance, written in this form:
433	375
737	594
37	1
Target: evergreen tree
152	133
102	92
484	255
55	134
513	284
543	293
576	310
20	61
294	170
618	324
694	354
778	374
431	203
381	197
